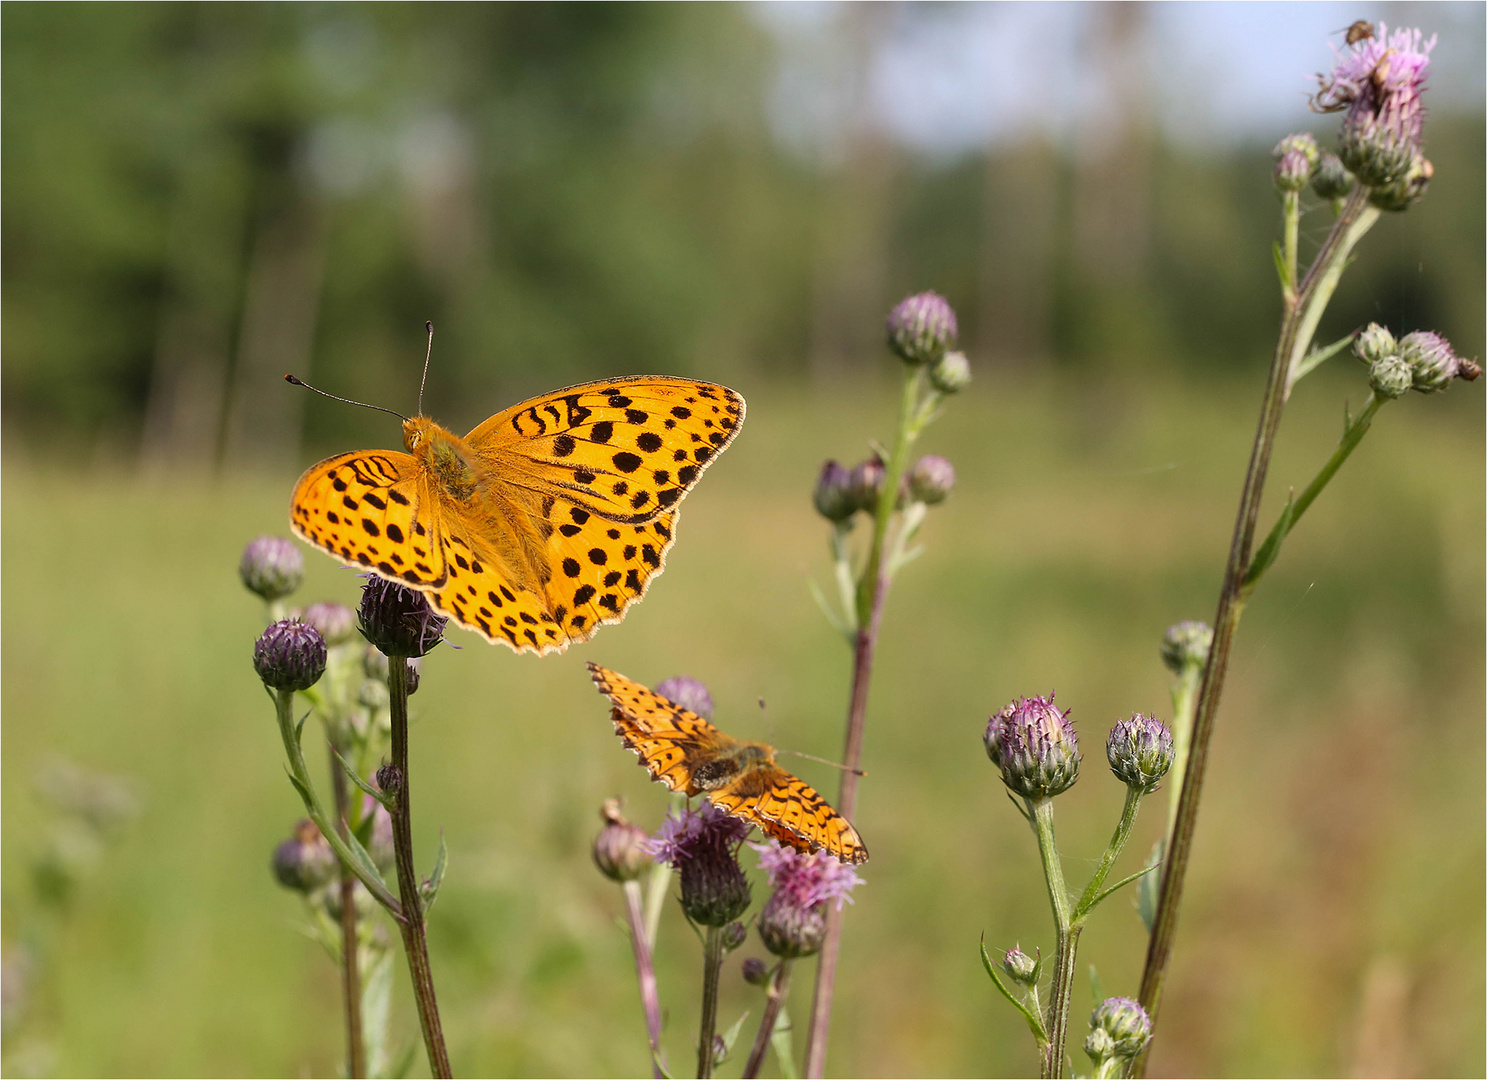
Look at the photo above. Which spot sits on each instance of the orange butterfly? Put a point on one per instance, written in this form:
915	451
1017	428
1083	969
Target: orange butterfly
687	754
545	522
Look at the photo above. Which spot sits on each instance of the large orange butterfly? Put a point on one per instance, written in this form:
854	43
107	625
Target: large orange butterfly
542	524
687	754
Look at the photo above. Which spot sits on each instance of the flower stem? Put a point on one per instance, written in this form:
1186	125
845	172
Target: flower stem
872	590
645	972
1068	940
774	1001
415	940
712	964
1298	325
356	1065
1112	852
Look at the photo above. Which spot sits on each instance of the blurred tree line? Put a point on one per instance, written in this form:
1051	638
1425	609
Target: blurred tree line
200	198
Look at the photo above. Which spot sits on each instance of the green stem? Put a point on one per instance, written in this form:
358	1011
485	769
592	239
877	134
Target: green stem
712	964
1297	328
1184	701
415	939
1291	219
356	1064
1117	843
1068	939
779	988
284	702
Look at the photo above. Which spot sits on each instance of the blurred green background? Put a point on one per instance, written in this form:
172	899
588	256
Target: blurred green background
197	199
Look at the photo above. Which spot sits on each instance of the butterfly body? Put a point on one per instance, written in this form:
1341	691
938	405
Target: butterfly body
686	753
543	523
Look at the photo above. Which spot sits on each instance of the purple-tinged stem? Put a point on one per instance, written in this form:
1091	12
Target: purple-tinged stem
779	987
645	972
712	964
356	1064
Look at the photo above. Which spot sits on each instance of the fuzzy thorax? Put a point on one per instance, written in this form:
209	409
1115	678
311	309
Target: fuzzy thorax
444	454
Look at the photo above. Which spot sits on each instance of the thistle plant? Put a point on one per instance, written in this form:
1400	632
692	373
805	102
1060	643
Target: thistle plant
1379	167
894	497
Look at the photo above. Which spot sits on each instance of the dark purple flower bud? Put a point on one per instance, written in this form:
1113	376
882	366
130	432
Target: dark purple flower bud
389	780
1400	195
272	567
1020	966
1373	343
1140	752
734	935
1390	377
305	861
1378	81
1032	742
789	930
834	497
930	480
397	620
951	373
1292	171
1433	362
868	478
336	622
702	845
921	328
1186	645
620	850
755	971
289	656
687	692
1331	179
1119	1028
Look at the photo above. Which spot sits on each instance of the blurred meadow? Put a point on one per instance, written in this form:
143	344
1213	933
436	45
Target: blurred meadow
200	198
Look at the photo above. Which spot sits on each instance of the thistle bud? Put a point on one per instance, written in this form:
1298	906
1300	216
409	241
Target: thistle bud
1331	179
336	622
1021	967
951	373
1140	752
867	482
930	480
620	850
1404	192
755	972
921	328
1374	343
1433	363
1302	143
734	935
790	930
1390	376
305	861
691	694
1186	645
1033	743
703	847
397	620
272	567
1292	171
834	497
1125	1026
289	656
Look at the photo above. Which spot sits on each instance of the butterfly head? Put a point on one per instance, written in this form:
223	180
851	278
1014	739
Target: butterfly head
417	432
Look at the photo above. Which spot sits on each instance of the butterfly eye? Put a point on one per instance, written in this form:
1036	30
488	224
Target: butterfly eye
414	438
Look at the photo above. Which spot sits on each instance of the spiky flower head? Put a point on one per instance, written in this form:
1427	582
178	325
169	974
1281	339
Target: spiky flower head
691	694
1379	81
1186	644
1433	363
272	567
1295	157
1390	376
398	620
1119	1028
1373	343
289	655
921	328
336	622
868	478
1020	966
834	498
793	922
951	373
1331	179
930	480
1401	194
305	861
702	845
1140	752
1033	743
620	850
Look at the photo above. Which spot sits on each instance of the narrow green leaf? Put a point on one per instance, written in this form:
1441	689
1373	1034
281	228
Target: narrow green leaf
1270	549
781	1041
831	616
1280	267
364	860
429	890
660	1067
729	1038
1146	900
299	727
1096	988
1034	1021
304	792
381	797
1121	884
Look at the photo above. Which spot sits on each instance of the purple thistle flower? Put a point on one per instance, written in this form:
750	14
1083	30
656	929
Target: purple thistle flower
398	620
793	922
702	845
289	655
1379	81
921	328
1033	743
691	694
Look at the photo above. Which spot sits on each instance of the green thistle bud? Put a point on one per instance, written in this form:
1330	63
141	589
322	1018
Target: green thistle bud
305	861
1125	1027
1292	171
951	373
1433	363
1374	343
1186	645
1331	179
289	656
922	328
1302	143
1021	967
1140	752
397	620
1400	195
272	567
1033	743
1390	376
620	850
834	498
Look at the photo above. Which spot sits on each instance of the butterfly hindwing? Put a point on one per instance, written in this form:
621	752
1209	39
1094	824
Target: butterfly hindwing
789	810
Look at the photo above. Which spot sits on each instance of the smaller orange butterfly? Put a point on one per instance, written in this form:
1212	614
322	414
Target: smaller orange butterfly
687	754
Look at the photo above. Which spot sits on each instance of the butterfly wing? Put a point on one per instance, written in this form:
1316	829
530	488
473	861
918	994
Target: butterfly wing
669	740
789	810
372	508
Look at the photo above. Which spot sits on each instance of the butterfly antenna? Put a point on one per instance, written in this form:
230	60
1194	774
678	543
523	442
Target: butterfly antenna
429	325
297	381
824	761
